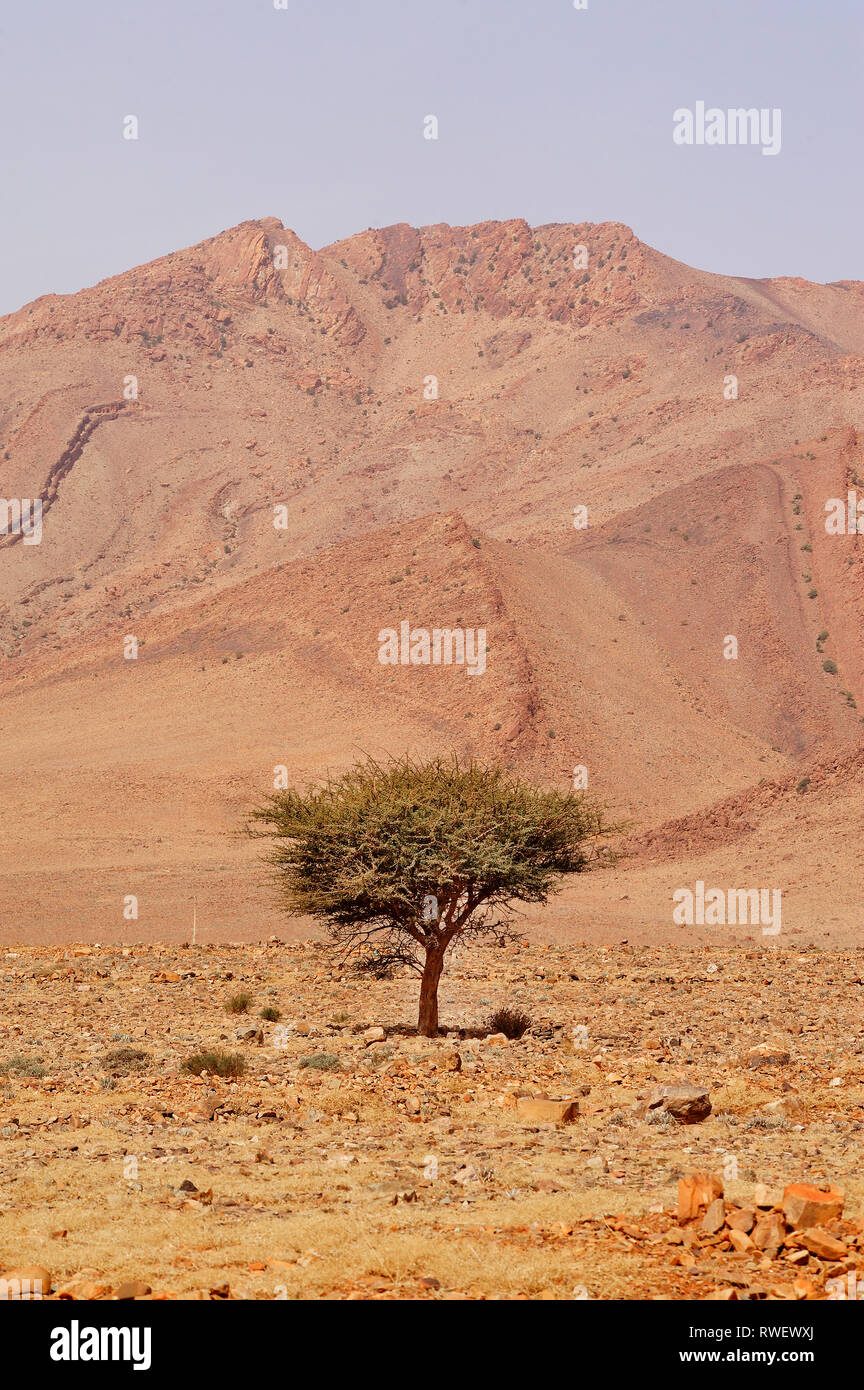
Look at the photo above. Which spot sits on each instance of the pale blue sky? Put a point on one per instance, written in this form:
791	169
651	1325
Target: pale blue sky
314	114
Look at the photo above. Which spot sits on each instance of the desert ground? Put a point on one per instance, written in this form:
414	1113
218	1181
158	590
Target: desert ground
253	457
354	1160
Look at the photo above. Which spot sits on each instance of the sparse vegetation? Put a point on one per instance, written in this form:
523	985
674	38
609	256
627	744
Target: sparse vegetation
513	1023
22	1066
216	1063
321	1061
127	1059
238	1003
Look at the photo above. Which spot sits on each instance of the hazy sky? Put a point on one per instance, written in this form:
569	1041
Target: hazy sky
314	114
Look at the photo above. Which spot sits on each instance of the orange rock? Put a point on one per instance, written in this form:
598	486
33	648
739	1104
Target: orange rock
769	1233
554	1111
741	1219
805	1205
820	1243
696	1192
741	1242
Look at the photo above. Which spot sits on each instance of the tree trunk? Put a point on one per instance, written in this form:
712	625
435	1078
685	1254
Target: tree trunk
427	1022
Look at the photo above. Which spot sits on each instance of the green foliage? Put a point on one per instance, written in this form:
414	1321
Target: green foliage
371	850
270	1015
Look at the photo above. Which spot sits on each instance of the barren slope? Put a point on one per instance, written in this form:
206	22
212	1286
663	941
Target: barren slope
271	376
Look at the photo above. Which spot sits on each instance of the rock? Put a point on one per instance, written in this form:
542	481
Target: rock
741	1219
27	1282
764	1197
689	1105
823	1245
769	1233
741	1241
133	1288
84	1290
251	1035
785	1106
714	1218
805	1205
373	1035
467	1174
696	1192
766	1055
451	1060
559	1112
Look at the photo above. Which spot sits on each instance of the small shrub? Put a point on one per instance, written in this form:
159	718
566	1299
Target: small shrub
803	784
22	1066
270	1015
511	1022
659	1117
125	1059
217	1063
830	667
238	1003
322	1061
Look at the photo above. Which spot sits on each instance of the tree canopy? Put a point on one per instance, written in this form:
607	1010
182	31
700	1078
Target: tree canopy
401	858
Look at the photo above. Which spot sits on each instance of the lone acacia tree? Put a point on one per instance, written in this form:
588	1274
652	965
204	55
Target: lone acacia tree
404	858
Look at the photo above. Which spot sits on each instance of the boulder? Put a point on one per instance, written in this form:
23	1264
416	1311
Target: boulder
766	1055
559	1112
689	1105
805	1206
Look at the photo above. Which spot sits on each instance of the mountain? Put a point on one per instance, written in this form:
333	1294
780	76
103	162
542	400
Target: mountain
254	457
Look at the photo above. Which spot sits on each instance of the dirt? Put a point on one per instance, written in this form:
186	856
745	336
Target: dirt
407	1170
